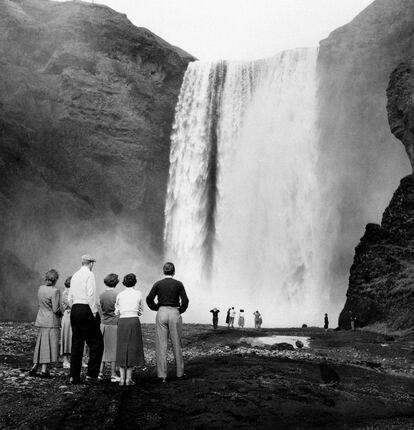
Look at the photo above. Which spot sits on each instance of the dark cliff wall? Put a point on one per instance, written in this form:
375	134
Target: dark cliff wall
361	163
86	107
381	283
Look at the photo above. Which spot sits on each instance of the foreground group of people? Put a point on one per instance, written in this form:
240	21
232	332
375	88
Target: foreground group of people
74	318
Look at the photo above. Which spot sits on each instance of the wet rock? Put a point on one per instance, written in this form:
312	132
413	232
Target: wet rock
283	346
299	344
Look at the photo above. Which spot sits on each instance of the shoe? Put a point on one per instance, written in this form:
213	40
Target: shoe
74	381
115	379
33	373
91	380
182	377
129	382
45	375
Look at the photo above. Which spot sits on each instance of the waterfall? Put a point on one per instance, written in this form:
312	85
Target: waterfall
244	221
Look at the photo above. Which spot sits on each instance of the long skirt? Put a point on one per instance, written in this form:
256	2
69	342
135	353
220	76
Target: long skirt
109	333
66	335
129	347
47	346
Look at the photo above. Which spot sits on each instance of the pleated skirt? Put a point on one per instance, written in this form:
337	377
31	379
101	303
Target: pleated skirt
109	333
66	335
129	347
47	346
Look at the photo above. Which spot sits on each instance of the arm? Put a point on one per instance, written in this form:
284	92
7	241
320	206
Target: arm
90	289
56	302
151	299
140	308
117	311
70	298
184	300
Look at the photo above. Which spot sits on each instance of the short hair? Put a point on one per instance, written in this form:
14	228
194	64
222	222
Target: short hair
51	276
168	268
129	280
67	282
111	280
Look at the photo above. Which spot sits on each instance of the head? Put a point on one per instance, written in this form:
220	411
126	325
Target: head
232	308
326	315
168	269
129	280
51	277
67	282
111	280
88	260
241	310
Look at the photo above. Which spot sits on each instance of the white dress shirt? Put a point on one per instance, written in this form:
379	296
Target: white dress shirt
129	303
83	289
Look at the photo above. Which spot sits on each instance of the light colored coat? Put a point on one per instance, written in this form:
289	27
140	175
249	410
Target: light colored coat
49	305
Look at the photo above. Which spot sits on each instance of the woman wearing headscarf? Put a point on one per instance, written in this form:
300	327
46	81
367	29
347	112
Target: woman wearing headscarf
129	347
48	322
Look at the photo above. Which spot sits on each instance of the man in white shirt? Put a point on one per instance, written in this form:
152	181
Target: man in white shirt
85	321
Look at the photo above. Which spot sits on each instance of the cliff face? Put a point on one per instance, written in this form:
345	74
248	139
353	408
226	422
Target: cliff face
86	107
381	283
361	163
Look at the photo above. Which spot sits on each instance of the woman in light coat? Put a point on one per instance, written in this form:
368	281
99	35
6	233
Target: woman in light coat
48	323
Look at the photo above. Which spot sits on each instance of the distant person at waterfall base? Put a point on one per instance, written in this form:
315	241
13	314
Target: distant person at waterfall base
352	319
231	318
228	317
241	318
215	313
109	326
85	321
257	320
66	329
172	301
326	323
129	346
48	322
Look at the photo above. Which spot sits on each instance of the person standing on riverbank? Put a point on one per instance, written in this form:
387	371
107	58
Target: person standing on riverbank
215	313
172	301
257	320
48	322
326	323
85	321
232	316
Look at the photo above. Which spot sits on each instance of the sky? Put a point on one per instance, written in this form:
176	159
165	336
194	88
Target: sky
239	29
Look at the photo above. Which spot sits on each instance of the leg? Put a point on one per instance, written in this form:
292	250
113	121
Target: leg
122	373
161	342
128	376
175	335
78	340
94	341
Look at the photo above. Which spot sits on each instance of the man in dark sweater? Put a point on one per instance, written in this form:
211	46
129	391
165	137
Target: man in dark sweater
172	301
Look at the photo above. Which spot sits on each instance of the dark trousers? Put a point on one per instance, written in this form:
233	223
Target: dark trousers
215	322
85	328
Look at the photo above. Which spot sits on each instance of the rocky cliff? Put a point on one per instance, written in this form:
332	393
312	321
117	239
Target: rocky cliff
360	160
86	107
381	283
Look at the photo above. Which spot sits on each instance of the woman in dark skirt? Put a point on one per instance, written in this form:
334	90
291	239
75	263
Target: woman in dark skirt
129	347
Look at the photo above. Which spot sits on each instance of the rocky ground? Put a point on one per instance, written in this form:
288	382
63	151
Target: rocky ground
229	384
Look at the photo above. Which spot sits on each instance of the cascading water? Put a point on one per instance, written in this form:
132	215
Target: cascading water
243	216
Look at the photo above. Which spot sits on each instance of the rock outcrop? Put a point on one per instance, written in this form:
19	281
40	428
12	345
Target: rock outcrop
86	106
381	283
360	160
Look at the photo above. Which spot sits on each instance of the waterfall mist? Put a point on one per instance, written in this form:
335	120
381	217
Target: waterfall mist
251	235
